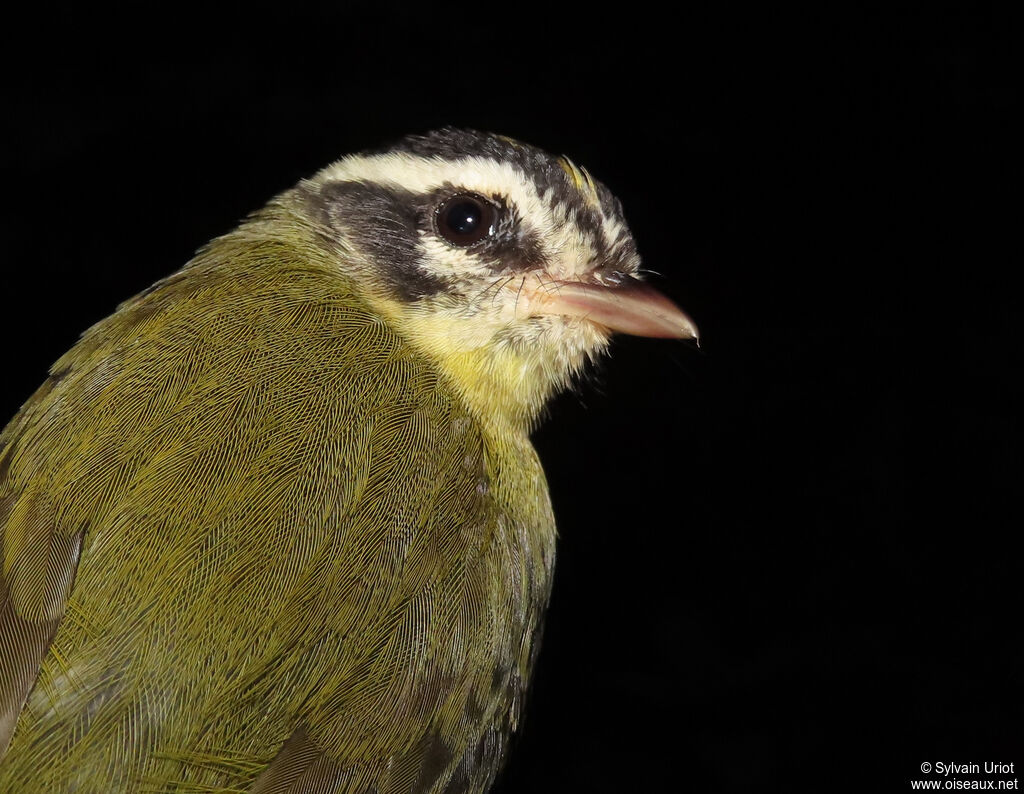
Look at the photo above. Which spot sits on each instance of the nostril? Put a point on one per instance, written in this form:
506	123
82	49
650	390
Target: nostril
612	276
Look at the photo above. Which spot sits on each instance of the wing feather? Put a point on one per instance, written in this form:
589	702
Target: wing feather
39	559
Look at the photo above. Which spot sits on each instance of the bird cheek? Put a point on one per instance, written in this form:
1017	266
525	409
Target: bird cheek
519	295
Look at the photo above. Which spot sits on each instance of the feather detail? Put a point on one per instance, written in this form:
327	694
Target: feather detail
290	524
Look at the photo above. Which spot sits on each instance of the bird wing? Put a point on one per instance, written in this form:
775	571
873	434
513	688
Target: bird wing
285	532
38	557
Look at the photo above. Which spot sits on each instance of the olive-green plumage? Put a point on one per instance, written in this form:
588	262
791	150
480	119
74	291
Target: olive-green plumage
258	533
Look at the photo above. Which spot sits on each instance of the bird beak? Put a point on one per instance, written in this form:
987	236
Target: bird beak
632	307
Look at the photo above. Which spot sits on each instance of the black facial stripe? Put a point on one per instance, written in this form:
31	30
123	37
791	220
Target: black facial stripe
512	248
453	144
516	248
388	223
384	222
545	171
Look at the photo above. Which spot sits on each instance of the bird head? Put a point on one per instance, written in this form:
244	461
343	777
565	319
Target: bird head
510	267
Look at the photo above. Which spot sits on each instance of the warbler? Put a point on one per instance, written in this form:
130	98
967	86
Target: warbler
277	525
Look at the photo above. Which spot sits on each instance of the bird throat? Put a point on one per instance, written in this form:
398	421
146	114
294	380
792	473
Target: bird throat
504	383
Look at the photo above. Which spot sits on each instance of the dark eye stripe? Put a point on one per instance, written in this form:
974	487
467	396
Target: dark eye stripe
384	222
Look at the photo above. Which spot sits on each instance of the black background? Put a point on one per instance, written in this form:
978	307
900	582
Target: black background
789	560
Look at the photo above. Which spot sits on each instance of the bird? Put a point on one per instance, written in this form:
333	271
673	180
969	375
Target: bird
277	524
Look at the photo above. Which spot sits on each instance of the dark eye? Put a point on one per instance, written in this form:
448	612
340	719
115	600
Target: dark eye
465	219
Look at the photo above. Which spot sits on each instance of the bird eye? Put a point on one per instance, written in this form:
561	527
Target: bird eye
464	219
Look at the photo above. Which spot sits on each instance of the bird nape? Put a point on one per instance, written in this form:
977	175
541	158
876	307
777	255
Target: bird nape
276	525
